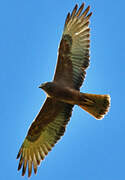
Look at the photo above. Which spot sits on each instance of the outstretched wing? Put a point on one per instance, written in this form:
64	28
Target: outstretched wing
73	57
45	131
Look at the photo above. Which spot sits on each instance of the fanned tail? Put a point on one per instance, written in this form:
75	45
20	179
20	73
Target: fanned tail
96	105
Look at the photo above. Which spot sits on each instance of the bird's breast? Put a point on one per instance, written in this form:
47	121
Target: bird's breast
64	94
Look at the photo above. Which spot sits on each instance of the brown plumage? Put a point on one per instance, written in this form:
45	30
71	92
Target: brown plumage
63	93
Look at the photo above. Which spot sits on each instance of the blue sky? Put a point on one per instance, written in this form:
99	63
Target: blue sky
30	32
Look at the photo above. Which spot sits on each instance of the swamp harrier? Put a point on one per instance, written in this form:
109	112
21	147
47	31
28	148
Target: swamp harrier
63	92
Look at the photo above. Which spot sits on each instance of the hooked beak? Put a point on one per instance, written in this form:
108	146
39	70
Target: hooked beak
41	86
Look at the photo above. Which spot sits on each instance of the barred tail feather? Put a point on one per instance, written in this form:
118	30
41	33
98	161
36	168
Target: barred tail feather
96	105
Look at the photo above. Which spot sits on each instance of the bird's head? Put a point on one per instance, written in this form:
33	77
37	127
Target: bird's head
42	86
47	86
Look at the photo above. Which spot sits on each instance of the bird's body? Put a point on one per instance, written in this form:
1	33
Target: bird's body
63	92
98	103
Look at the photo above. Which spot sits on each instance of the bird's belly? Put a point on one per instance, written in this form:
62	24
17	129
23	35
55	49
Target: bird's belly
66	95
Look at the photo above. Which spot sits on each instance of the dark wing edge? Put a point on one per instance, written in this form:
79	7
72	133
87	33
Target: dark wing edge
74	53
44	132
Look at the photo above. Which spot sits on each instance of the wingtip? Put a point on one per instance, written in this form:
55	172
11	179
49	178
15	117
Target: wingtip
67	19
88	8
29	168
24	168
19	153
85	11
23	173
35	171
74	10
90	14
19	166
80	10
29	175
83	4
76	6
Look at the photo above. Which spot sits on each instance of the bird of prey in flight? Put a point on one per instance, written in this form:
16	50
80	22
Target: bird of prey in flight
63	92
